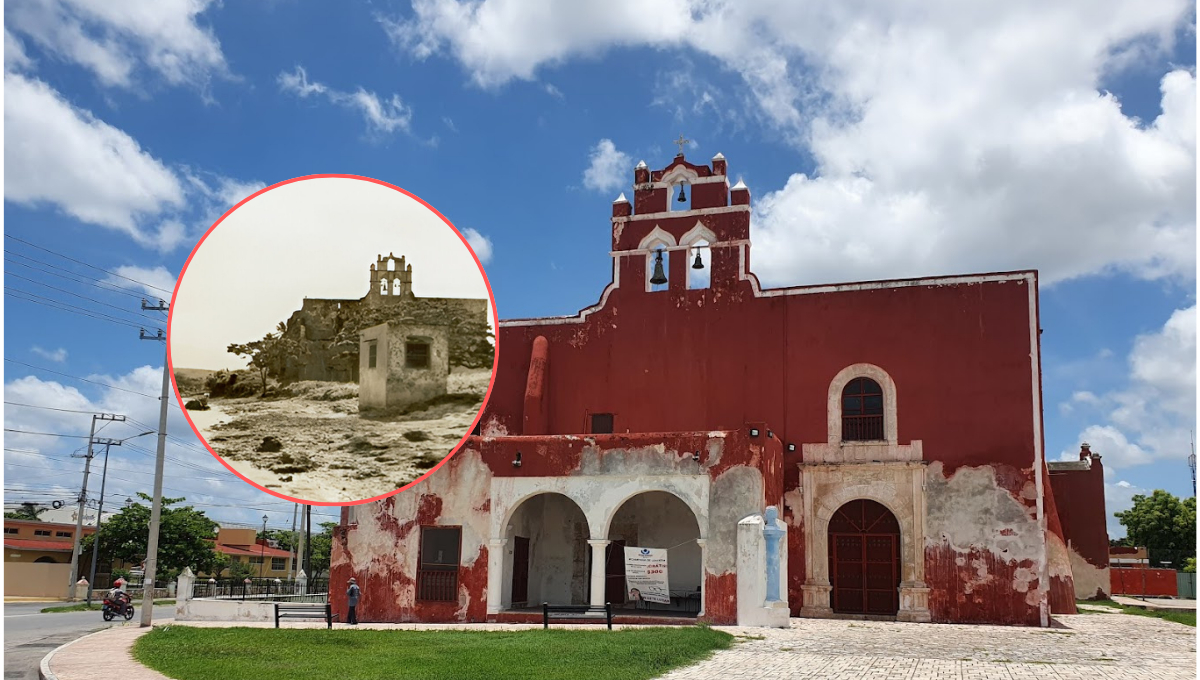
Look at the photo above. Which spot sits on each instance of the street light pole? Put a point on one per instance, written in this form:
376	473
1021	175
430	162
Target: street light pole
262	553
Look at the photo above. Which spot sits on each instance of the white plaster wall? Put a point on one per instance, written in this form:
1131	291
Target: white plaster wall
1090	581
659	520
558	555
224	610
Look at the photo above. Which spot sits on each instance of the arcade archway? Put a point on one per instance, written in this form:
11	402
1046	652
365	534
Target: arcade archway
548	553
656	519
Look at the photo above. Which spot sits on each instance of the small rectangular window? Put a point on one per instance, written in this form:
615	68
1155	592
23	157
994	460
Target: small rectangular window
256	560
372	354
602	423
11	530
63	534
437	573
278	563
416	354
41	532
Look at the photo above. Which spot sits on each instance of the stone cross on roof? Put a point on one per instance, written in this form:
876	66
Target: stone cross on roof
681	142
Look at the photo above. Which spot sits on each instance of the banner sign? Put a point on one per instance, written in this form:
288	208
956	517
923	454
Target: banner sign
646	575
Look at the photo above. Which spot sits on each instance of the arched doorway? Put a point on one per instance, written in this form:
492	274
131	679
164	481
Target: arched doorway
547	558
864	559
656	519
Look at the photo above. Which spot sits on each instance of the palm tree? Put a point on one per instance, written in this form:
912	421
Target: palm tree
27	511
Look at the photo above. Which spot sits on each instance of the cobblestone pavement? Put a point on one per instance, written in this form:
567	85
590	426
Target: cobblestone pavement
1085	646
1091	646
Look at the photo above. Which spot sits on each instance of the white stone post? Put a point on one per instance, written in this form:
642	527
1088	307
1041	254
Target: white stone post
599	561
212	586
753	606
81	589
183	585
302	583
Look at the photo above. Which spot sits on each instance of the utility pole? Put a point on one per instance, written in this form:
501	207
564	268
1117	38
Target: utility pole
1192	462
87	468
108	444
292	567
301	547
160	459
262	552
308	542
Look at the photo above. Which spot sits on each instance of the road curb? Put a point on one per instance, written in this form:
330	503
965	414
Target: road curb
44	672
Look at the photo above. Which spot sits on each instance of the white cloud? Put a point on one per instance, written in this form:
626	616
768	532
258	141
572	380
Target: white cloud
56	355
87	168
971	138
384	116
608	169
553	91
90	170
15	58
481	244
1118	497
156	282
1152	417
114	40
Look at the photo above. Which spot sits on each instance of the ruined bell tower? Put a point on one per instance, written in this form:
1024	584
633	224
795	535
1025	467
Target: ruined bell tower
391	280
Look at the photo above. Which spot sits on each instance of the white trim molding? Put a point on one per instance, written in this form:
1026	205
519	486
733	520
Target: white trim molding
833	450
833	407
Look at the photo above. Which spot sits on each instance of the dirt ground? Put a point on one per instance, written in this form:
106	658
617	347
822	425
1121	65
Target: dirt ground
328	452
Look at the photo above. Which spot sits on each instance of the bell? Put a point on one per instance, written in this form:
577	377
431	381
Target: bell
698	264
659	277
682	197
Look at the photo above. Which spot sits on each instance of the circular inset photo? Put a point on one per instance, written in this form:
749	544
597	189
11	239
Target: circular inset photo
332	339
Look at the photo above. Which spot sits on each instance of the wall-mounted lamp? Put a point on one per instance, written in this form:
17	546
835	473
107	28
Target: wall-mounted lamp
791	447
754	432
696	456
770	434
517	461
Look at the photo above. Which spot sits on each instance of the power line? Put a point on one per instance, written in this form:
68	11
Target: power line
46	408
62	306
74	276
93	382
86	264
83	297
48	434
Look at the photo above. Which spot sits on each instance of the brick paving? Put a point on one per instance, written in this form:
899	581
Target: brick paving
1085	647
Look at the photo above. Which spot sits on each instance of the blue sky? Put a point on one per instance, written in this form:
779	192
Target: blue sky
878	141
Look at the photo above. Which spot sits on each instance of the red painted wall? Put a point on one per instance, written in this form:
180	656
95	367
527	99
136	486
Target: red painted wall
1154	582
1080	496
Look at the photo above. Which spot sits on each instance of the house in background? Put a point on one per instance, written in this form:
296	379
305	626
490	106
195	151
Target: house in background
37	557
244	546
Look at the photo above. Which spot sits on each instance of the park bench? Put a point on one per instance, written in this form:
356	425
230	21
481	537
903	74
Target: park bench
304	610
576	612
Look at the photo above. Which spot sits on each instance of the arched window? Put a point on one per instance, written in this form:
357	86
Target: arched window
396	286
862	411
383	287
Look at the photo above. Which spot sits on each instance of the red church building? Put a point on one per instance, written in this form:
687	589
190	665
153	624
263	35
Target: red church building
895	426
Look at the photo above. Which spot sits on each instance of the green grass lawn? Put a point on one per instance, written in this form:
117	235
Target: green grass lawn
294	654
1186	618
97	604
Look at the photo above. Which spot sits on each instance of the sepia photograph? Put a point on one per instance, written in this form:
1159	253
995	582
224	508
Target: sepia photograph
332	340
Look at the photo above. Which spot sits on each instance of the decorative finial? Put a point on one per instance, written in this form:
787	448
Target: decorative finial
640	165
621	198
681	142
740	185
719	157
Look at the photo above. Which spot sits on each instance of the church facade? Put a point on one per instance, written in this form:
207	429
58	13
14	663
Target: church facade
894	426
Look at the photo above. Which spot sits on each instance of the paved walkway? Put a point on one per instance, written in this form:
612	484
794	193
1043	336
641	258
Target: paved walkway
1085	646
1164	603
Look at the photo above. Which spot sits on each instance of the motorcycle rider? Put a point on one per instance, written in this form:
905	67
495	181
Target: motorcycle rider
118	597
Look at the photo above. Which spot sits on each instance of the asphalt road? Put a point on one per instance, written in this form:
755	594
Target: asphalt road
30	635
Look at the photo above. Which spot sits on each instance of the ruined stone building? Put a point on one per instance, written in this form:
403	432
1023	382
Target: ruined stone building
401	364
327	330
896	426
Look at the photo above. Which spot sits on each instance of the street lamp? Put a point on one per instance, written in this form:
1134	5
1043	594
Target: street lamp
100	510
263	552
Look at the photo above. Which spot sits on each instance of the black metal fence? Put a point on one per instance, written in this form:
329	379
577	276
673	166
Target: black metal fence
264	588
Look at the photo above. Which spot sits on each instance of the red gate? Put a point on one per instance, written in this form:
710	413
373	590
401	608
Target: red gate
864	559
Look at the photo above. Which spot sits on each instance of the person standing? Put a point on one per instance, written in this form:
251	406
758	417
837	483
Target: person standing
352	595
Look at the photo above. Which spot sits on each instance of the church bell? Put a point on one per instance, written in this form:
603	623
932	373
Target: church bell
682	196
698	264
659	277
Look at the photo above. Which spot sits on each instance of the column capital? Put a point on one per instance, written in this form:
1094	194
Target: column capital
598	542
497	542
701	542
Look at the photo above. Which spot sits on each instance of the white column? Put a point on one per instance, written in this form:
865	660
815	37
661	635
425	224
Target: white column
183	591
599	559
495	591
703	543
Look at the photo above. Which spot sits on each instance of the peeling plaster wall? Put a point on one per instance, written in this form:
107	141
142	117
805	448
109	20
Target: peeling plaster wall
1091	583
983	546
615	481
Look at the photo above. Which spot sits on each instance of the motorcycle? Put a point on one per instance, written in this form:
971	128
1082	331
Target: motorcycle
118	607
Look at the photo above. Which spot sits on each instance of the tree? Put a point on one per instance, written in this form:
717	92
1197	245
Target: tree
322	543
27	511
268	355
1163	524
185	537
